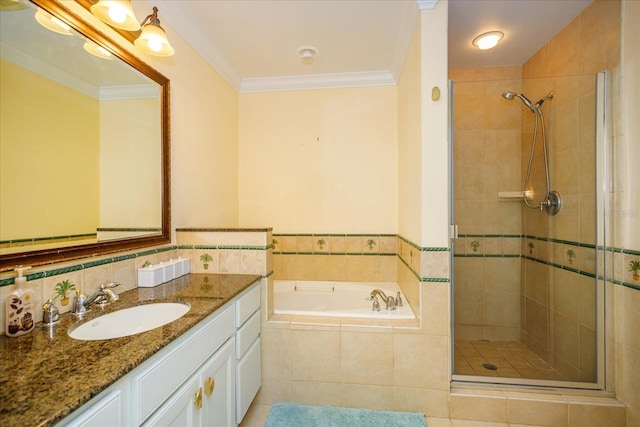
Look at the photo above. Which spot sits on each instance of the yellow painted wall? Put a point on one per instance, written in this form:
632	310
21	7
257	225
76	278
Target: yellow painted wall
130	163
409	143
204	127
434	120
319	160
33	201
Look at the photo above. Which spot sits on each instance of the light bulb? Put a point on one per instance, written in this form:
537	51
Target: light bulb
155	44
60	24
488	40
117	14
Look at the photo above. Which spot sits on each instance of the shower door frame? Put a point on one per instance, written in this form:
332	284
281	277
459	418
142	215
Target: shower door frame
603	188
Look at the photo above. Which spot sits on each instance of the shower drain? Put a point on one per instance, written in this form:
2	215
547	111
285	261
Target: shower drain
490	366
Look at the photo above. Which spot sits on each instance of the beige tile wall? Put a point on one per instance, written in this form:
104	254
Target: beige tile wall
567	65
352	258
389	365
487	161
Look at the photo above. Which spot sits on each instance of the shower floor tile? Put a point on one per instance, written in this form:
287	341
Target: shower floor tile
511	358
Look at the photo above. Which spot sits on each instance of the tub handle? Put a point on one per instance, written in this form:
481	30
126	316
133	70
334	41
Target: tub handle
398	299
376	304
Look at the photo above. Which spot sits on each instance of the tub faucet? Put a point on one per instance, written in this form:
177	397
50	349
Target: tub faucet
103	295
376	304
389	300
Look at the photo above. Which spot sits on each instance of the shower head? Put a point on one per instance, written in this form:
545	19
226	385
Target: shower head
508	94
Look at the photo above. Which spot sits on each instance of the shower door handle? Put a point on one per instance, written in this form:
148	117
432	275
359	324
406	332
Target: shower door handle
453	231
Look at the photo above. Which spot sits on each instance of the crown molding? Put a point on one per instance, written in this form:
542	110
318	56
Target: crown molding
317	81
35	65
129	92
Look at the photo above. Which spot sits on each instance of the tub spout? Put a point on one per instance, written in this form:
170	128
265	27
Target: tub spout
389	300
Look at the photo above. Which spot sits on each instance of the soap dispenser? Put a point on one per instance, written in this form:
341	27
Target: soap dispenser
19	307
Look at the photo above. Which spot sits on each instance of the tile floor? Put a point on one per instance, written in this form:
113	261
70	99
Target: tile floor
511	358
257	415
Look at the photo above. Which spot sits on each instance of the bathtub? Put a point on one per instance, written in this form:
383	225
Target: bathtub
335	299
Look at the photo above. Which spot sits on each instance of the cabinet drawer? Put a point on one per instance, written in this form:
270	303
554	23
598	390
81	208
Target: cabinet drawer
155	384
248	379
247	334
247	305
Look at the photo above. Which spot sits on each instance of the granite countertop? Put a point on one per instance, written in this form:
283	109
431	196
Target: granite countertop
45	375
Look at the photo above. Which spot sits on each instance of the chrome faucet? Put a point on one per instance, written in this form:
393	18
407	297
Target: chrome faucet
389	300
102	296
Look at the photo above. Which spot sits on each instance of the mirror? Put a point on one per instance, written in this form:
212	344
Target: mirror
84	142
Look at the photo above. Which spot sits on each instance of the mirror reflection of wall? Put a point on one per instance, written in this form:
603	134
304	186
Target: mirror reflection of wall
80	141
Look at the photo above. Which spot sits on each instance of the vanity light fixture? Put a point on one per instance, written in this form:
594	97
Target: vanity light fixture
117	13
488	40
52	23
153	39
96	50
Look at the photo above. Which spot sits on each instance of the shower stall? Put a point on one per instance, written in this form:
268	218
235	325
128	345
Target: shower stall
527	185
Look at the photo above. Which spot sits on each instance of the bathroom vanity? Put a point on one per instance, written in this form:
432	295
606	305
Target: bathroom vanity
201	369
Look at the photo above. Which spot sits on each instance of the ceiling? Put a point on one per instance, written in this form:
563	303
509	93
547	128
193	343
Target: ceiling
253	43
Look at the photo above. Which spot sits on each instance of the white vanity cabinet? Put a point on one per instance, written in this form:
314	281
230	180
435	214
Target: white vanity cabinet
107	409
207	377
160	378
206	399
248	363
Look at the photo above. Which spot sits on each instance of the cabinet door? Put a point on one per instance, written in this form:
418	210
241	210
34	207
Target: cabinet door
180	409
218	384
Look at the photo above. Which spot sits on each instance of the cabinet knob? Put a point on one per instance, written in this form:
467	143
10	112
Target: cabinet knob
208	385
198	398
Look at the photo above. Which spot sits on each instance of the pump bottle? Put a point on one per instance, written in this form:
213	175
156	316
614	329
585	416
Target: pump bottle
20	307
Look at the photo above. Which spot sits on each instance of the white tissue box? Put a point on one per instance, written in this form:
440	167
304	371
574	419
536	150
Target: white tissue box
186	266
167	271
177	267
150	276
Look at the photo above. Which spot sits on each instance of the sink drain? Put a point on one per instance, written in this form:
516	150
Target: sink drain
490	366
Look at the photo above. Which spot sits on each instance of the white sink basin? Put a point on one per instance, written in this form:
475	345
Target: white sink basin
129	321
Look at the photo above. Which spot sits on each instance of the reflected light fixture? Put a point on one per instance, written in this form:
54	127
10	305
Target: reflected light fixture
153	40
488	40
117	13
52	23
96	50
10	5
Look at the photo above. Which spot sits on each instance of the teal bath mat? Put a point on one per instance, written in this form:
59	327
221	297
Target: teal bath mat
294	415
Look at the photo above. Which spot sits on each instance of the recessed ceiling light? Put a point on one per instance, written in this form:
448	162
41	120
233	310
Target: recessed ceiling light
488	40
307	53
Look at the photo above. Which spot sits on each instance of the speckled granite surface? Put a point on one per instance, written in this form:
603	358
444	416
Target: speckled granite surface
46	375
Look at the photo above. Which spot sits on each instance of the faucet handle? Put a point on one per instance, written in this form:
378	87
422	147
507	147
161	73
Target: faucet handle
376	304
109	285
398	299
50	313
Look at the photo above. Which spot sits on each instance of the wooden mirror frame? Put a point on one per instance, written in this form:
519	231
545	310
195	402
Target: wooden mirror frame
55	255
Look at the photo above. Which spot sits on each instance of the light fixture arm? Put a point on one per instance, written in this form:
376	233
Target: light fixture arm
152	19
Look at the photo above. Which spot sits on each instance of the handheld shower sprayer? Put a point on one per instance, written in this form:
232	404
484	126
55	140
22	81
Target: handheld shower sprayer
552	201
509	95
